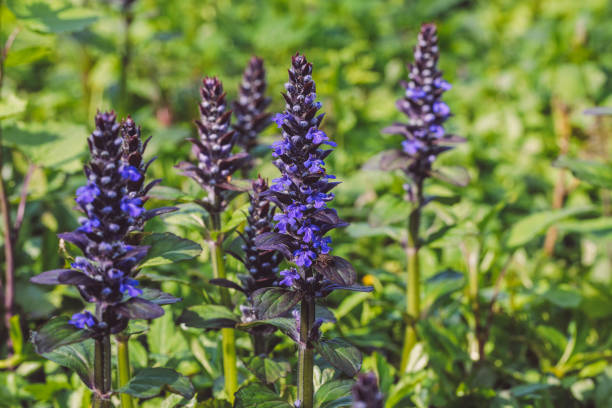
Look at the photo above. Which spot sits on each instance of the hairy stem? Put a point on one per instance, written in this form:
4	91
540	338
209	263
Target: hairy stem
413	278
227	335
123	368
102	368
306	354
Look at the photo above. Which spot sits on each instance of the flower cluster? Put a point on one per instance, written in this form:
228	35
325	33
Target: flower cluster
213	150
303	189
112	206
422	104
262	265
134	169
250	107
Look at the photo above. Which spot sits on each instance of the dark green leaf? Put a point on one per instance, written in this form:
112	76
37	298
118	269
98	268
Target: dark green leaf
150	382
273	302
341	355
167	248
258	395
56	333
268	370
208	317
78	357
286	324
334	394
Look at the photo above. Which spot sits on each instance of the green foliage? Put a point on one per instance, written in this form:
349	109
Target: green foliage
167	248
260	396
149	382
542	317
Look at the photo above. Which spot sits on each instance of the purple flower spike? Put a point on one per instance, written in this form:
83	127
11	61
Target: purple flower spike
423	105
112	204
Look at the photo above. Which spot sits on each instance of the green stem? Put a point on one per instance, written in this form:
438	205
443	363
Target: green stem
413	278
306	354
227	335
123	368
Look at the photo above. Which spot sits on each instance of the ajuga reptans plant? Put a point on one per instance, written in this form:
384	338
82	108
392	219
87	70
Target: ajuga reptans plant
112	204
302	194
213	170
425	139
250	106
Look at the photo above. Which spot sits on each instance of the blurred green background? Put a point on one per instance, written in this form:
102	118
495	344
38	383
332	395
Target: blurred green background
523	72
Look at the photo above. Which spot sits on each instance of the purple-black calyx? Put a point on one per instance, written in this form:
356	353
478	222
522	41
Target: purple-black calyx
215	163
262	265
250	106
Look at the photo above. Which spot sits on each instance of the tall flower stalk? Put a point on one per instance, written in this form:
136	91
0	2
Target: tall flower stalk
425	139
213	172
302	194
105	275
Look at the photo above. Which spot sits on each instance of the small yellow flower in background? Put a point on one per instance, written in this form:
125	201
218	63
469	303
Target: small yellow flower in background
368	280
